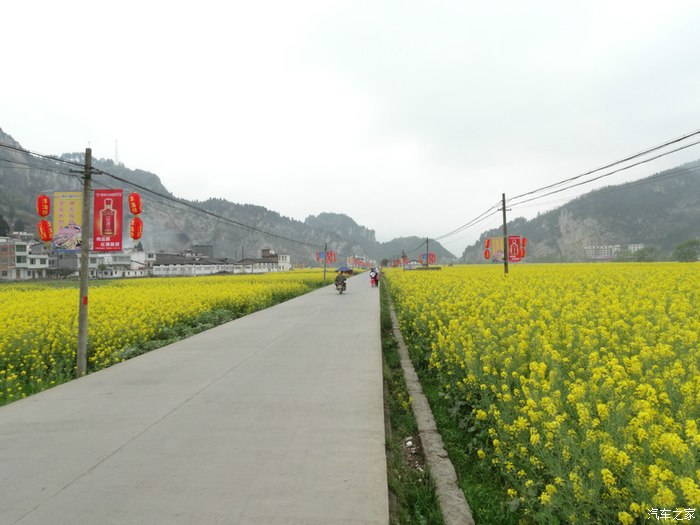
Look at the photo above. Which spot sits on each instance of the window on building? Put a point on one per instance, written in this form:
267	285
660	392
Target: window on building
20	248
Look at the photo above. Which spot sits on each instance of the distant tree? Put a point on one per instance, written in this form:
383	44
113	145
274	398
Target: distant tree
4	227
19	225
138	247
385	262
687	251
646	254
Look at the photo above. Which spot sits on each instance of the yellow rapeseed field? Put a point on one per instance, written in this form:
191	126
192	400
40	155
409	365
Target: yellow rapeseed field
38	334
580	383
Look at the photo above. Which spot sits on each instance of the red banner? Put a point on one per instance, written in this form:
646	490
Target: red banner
514	248
107	230
432	258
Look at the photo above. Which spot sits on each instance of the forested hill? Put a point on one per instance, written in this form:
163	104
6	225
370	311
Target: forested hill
235	230
660	211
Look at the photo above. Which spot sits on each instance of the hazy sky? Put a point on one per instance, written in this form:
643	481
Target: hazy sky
411	117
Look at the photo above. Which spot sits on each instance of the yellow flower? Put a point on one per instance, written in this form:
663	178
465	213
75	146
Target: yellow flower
625	518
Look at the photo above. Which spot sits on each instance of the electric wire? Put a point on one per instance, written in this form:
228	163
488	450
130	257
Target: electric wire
40	155
96	171
631	157
602	176
609	189
511	202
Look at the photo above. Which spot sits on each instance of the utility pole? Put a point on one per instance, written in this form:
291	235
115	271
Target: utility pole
426	252
84	269
505	237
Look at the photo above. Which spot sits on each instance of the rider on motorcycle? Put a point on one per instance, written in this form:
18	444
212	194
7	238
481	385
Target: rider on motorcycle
340	280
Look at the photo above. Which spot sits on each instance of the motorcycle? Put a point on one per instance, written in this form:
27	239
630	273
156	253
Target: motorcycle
340	286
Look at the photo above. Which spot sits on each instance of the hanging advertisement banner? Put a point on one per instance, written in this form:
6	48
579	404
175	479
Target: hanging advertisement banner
107	230
514	248
67	221
497	249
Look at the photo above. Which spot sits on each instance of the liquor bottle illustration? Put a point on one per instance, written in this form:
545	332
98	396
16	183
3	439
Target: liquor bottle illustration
107	218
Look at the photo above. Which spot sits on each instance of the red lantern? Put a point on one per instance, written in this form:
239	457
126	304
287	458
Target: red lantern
135	205
136	228
43	205
45	231
487	253
523	242
487	244
522	253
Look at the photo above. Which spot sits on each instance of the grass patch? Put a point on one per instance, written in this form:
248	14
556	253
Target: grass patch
182	330
483	490
411	489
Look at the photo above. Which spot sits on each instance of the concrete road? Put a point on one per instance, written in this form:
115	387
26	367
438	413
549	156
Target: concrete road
275	418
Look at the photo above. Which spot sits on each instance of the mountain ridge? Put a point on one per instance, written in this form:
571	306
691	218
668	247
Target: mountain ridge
171	224
659	211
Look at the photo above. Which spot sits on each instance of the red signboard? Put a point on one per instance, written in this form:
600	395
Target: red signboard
432	258
514	248
329	256
107	230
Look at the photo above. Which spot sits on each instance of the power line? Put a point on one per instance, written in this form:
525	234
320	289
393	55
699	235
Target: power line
40	155
479	218
488	213
207	212
155	193
604	175
608	189
631	157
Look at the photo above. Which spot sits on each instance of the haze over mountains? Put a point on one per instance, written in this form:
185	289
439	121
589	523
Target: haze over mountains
660	211
170	224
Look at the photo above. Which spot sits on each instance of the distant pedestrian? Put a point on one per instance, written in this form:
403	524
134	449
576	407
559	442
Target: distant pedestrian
373	275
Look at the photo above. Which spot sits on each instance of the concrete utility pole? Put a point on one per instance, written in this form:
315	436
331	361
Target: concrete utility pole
426	252
84	269
505	237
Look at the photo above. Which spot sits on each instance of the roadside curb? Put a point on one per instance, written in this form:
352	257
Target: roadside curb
453	504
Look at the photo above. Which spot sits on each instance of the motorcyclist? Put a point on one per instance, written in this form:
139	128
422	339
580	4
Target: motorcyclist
340	279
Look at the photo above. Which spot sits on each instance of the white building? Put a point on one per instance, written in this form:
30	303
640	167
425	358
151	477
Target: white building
606	252
268	261
19	263
176	265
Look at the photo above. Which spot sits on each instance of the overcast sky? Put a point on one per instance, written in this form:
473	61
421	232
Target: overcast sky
410	117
